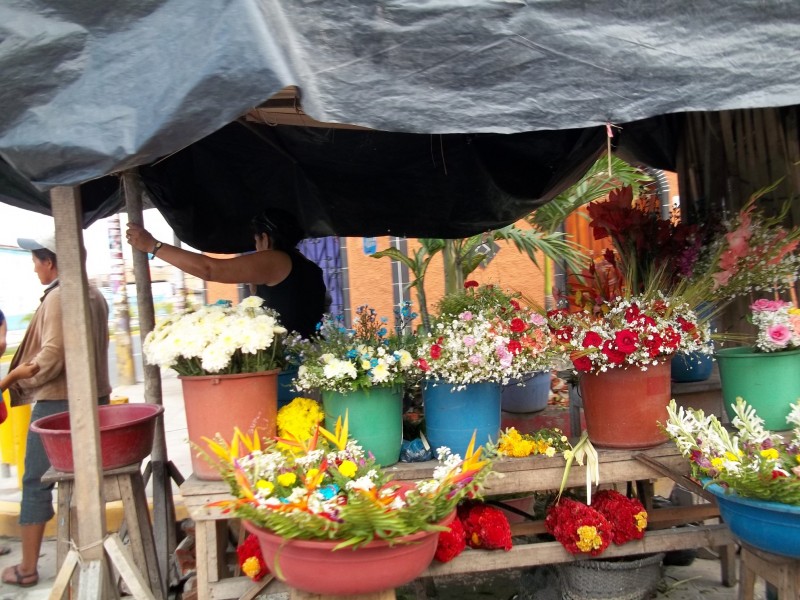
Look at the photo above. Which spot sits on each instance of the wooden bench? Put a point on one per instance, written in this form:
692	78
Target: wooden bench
513	475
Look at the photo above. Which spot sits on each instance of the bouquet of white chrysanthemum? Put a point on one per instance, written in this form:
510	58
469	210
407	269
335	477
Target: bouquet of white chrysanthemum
339	359
219	339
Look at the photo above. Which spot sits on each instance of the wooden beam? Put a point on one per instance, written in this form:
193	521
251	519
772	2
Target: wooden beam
79	359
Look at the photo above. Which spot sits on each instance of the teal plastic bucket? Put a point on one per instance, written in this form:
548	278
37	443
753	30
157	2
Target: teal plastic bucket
452	415
527	395
767	381
375	419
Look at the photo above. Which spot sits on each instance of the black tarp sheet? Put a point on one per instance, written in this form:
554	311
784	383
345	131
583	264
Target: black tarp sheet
483	108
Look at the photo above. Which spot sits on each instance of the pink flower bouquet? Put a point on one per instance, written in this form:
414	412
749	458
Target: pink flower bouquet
778	325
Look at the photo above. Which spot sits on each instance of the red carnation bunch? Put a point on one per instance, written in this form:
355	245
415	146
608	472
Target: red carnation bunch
451	543
251	561
477	525
579	528
485	526
627	516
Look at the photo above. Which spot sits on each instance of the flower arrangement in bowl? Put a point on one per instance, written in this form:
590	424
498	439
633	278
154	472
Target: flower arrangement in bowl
752	471
363	371
327	503
219	339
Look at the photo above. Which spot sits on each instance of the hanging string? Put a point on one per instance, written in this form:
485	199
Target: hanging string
609	135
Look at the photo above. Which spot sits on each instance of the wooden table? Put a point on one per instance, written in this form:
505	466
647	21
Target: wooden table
513	475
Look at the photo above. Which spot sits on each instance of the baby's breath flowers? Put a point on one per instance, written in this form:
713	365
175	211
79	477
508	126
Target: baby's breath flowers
327	488
484	335
753	462
220	338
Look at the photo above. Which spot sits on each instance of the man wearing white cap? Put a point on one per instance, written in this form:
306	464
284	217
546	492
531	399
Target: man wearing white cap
37	374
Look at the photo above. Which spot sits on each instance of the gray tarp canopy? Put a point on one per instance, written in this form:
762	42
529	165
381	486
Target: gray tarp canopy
483	109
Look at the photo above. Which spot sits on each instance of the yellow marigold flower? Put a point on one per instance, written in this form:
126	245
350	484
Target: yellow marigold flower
641	520
348	468
770	454
589	538
263	484
251	567
287	479
300	417
542	446
731	457
717	462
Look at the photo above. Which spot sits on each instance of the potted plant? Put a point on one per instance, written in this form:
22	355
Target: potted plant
323	508
362	370
752	472
766	374
225	356
482	338
622	350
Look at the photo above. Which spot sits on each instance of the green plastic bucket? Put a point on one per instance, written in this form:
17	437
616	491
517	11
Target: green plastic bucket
375	419
767	381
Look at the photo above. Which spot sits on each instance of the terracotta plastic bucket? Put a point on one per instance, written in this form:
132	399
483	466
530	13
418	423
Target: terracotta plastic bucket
625	407
216	404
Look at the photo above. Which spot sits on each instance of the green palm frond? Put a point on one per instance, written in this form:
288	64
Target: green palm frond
595	184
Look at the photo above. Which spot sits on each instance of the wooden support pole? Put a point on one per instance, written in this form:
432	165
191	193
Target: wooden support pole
82	388
163	504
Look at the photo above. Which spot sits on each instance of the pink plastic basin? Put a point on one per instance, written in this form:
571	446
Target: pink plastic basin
126	435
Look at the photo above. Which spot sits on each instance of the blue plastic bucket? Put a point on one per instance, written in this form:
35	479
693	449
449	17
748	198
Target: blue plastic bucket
691	366
527	395
452	415
285	392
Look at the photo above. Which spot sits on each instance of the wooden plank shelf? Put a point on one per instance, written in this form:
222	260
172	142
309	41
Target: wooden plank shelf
512	475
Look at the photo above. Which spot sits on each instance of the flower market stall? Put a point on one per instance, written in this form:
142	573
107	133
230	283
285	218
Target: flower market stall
507	108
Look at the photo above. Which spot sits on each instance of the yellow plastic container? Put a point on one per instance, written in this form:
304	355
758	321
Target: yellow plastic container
14	436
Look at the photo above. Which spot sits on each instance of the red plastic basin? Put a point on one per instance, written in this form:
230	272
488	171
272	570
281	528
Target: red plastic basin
126	435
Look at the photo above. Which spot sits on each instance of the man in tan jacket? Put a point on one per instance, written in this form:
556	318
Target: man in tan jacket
37	374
